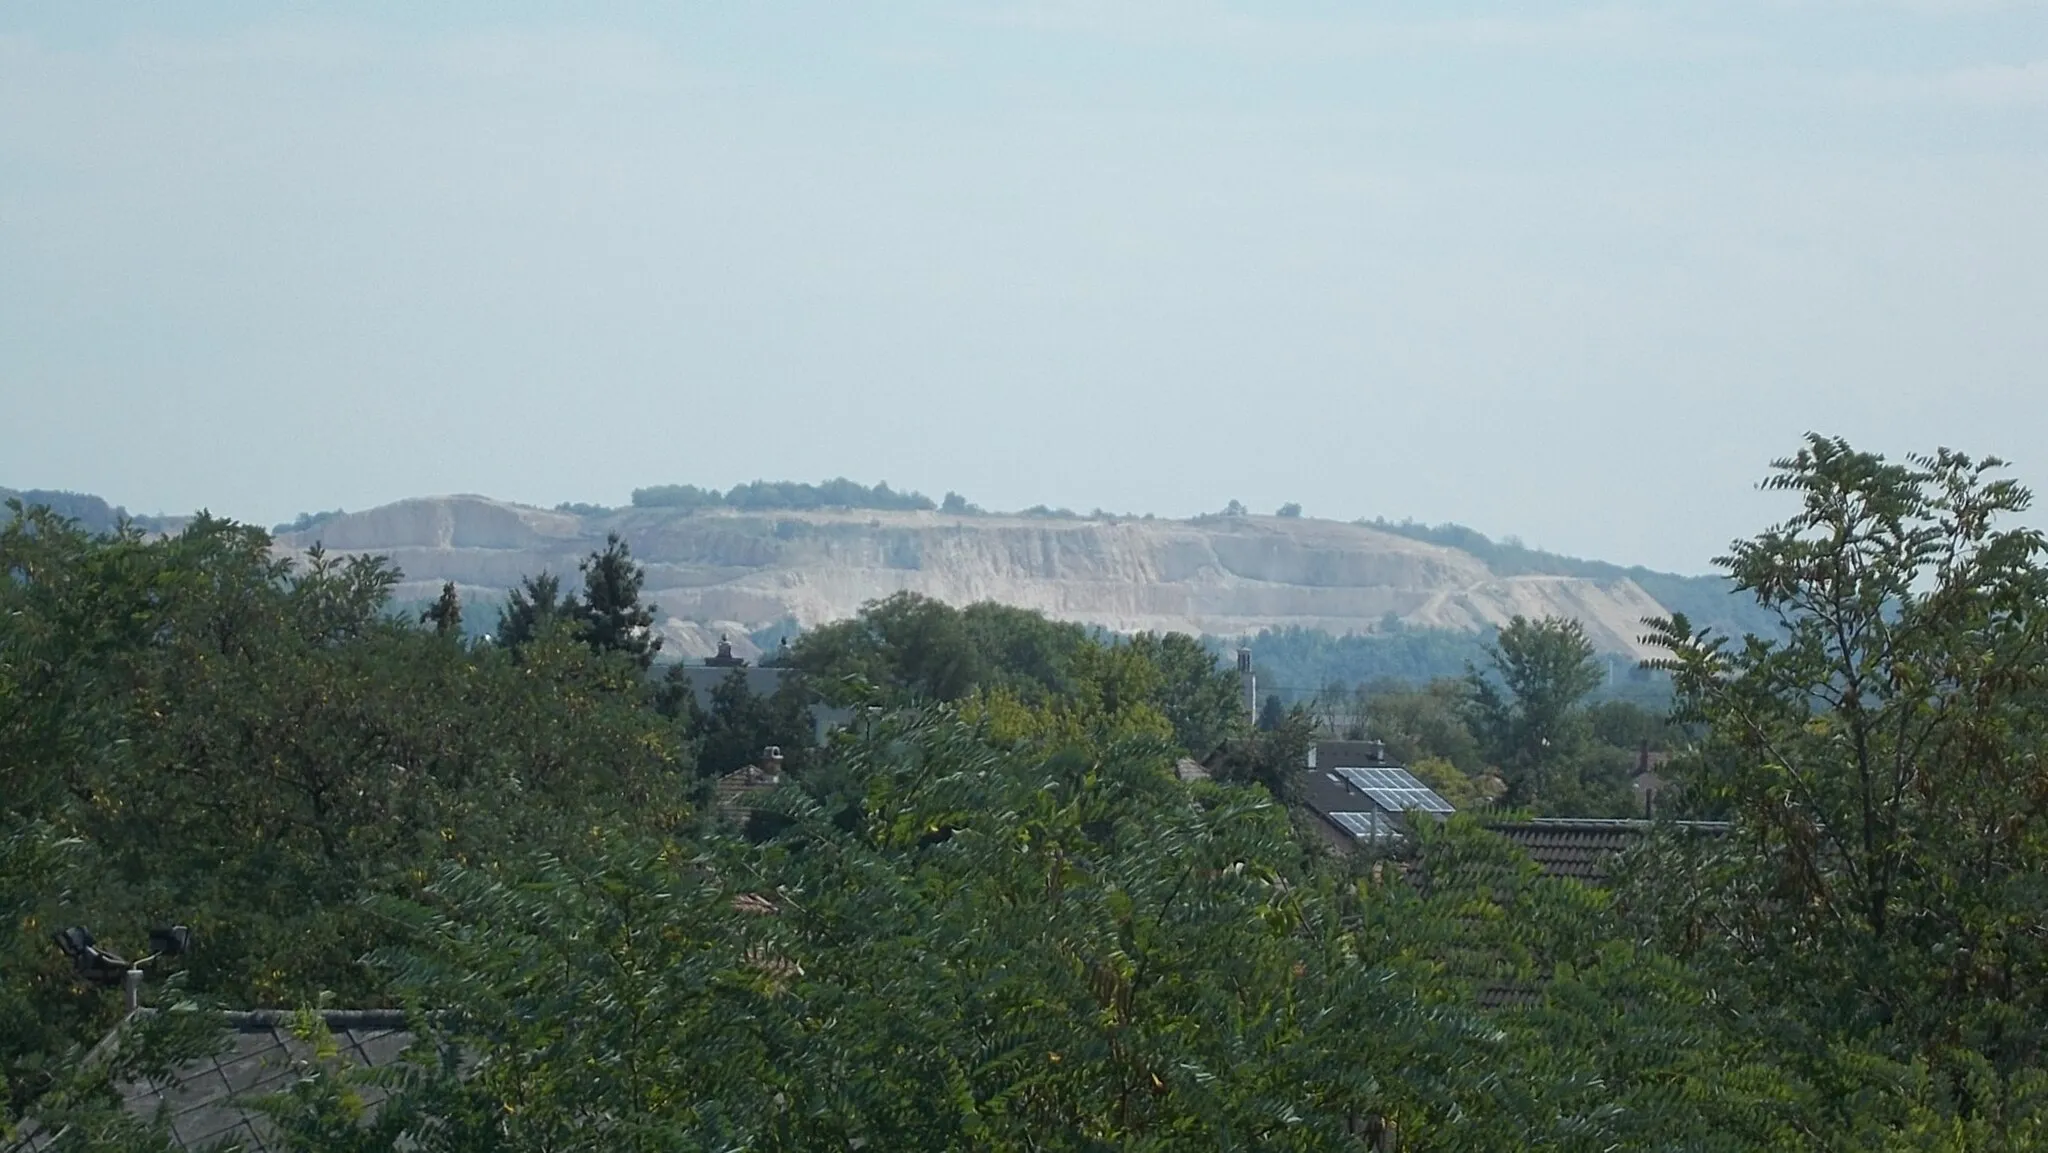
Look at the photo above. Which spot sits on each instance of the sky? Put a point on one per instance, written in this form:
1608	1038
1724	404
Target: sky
1571	272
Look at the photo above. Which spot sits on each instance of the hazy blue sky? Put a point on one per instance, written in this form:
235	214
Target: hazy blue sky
1574	272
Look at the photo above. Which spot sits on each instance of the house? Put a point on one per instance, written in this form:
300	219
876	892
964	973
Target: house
760	680
736	791
1584	849
206	1101
1359	797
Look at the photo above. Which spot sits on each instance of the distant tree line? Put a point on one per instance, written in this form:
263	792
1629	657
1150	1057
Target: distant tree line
1299	662
90	512
307	520
763	495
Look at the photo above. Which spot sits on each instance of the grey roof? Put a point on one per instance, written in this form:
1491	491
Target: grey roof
1584	849
761	682
1362	814
1326	793
204	1100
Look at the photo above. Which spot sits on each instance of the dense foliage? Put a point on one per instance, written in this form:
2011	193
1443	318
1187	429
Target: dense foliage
1885	764
192	732
991	913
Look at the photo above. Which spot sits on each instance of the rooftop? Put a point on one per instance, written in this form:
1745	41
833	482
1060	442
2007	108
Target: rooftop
1584	848
205	1100
1369	803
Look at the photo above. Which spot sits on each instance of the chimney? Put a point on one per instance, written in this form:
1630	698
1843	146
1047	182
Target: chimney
1250	683
771	761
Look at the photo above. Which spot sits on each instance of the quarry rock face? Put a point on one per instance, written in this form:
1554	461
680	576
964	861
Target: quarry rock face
713	571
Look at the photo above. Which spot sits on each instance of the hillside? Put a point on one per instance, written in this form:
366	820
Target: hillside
91	512
725	570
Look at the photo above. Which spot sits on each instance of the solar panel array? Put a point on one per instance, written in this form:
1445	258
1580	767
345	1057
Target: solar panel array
1368	826
1396	790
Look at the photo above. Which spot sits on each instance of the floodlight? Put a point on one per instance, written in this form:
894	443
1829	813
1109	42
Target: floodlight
74	941
89	960
171	941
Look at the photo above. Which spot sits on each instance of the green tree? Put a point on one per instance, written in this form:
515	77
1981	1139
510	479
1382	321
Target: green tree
1430	721
445	614
1882	761
906	647
611	618
1197	694
740	724
1271	758
193	730
529	610
1021	650
1527	711
1006	950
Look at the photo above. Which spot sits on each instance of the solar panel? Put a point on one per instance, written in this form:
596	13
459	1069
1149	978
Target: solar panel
1396	790
1368	826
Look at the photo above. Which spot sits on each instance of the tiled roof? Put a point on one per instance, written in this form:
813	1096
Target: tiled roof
737	788
204	1100
1583	849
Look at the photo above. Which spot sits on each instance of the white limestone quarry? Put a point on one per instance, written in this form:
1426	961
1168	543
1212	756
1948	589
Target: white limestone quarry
713	572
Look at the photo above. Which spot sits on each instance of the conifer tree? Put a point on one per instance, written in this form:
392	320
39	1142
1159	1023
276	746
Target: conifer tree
531	606
611	617
445	614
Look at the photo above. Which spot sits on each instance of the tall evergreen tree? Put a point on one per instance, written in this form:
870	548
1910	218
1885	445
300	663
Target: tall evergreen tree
445	614
611	617
531	606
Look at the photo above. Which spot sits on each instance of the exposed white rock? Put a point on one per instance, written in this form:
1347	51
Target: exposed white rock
723	571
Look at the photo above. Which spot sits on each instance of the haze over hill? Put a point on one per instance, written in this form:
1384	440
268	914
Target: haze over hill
721	570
